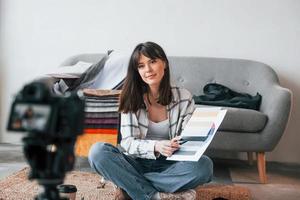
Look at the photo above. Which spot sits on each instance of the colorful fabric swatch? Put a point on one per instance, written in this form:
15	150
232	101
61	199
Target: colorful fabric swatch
102	120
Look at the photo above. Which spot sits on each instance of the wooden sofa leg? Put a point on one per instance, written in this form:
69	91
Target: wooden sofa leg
261	166
250	157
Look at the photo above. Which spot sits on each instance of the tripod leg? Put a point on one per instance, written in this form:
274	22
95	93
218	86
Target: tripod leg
50	193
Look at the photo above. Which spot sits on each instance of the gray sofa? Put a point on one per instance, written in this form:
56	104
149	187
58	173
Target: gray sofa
243	130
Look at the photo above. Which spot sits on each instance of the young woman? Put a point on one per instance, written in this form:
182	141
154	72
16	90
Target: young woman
153	114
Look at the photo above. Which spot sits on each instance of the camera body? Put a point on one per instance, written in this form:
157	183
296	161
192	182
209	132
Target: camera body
53	123
36	110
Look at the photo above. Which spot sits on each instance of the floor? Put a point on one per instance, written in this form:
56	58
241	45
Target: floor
283	179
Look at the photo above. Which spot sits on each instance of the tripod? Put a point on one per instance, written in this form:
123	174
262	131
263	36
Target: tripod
49	160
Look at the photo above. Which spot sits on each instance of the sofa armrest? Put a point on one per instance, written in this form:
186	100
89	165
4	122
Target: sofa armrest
277	106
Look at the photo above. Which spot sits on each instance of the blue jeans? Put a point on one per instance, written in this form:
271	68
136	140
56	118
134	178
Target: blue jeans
142	178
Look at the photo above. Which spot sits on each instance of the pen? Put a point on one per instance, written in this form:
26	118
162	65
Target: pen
182	141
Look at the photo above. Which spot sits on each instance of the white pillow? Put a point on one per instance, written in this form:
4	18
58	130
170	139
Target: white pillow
113	72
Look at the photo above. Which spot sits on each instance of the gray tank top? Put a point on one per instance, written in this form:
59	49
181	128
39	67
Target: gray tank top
158	131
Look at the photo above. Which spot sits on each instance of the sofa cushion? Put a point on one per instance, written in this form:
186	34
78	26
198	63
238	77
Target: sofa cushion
242	120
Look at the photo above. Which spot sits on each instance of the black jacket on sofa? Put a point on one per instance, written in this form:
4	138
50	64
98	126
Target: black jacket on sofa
220	95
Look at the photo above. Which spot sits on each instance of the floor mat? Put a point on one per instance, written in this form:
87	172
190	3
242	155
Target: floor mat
17	186
89	186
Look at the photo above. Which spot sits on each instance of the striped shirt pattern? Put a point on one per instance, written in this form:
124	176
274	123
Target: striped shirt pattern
134	126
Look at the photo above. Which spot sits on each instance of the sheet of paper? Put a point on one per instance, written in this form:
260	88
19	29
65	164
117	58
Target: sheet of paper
193	150
201	121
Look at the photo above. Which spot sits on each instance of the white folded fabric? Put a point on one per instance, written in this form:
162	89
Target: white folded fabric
113	72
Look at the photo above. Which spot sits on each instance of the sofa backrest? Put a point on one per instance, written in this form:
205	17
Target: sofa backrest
240	75
194	73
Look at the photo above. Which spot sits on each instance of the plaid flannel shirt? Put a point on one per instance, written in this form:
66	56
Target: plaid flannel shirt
134	126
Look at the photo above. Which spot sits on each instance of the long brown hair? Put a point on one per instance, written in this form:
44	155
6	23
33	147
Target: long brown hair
131	98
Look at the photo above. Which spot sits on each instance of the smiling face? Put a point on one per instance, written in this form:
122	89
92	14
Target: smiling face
151	70
148	74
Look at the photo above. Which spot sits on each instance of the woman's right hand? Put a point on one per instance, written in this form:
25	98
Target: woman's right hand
166	147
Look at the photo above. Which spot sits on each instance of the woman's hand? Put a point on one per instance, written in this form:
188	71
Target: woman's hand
167	147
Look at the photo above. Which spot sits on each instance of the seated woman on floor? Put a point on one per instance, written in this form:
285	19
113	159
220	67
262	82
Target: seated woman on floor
153	114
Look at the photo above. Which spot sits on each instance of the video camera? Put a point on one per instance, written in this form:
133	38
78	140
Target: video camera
53	123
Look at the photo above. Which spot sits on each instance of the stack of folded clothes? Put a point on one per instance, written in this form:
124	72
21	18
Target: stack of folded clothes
101	119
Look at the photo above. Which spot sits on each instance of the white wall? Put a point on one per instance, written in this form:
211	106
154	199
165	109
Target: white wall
37	35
